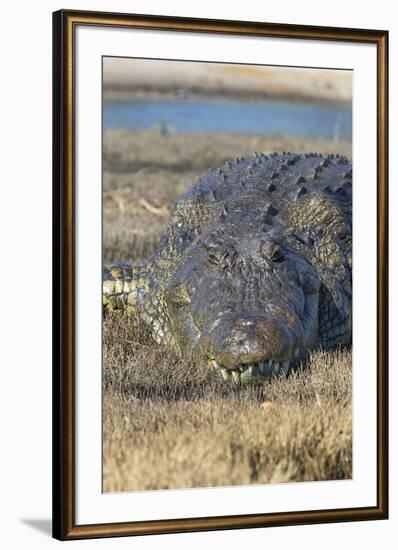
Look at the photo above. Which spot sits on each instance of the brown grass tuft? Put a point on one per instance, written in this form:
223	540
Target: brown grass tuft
171	424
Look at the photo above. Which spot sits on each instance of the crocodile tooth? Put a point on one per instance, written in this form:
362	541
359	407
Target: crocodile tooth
276	367
216	366
286	367
236	376
242	368
225	374
251	369
300	192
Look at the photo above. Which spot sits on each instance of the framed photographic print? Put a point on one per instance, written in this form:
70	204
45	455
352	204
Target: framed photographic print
220	274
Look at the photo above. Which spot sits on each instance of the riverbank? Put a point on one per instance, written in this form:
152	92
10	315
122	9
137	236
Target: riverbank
125	79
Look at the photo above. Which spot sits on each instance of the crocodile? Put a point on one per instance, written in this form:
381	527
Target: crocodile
254	269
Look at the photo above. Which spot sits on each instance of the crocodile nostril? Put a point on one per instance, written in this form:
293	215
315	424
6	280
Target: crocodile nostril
252	340
245	322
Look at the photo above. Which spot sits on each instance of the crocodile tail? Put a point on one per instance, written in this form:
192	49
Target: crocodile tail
123	286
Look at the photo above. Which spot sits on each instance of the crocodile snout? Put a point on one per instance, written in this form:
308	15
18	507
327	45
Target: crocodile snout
253	345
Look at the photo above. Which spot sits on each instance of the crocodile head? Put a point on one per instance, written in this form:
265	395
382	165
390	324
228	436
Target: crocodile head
243	300
254	269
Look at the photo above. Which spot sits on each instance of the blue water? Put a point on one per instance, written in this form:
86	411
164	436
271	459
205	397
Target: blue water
209	115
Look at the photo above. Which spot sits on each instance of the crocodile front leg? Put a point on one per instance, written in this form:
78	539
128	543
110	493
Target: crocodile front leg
123	287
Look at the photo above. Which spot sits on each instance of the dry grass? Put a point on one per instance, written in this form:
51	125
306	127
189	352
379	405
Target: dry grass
167	422
171	424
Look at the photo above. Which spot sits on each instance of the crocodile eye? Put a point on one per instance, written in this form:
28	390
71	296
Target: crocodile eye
213	259
217	256
272	251
277	255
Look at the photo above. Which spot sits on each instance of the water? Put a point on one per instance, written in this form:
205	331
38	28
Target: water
210	116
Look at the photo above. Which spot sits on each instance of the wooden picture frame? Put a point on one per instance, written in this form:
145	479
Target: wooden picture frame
65	24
